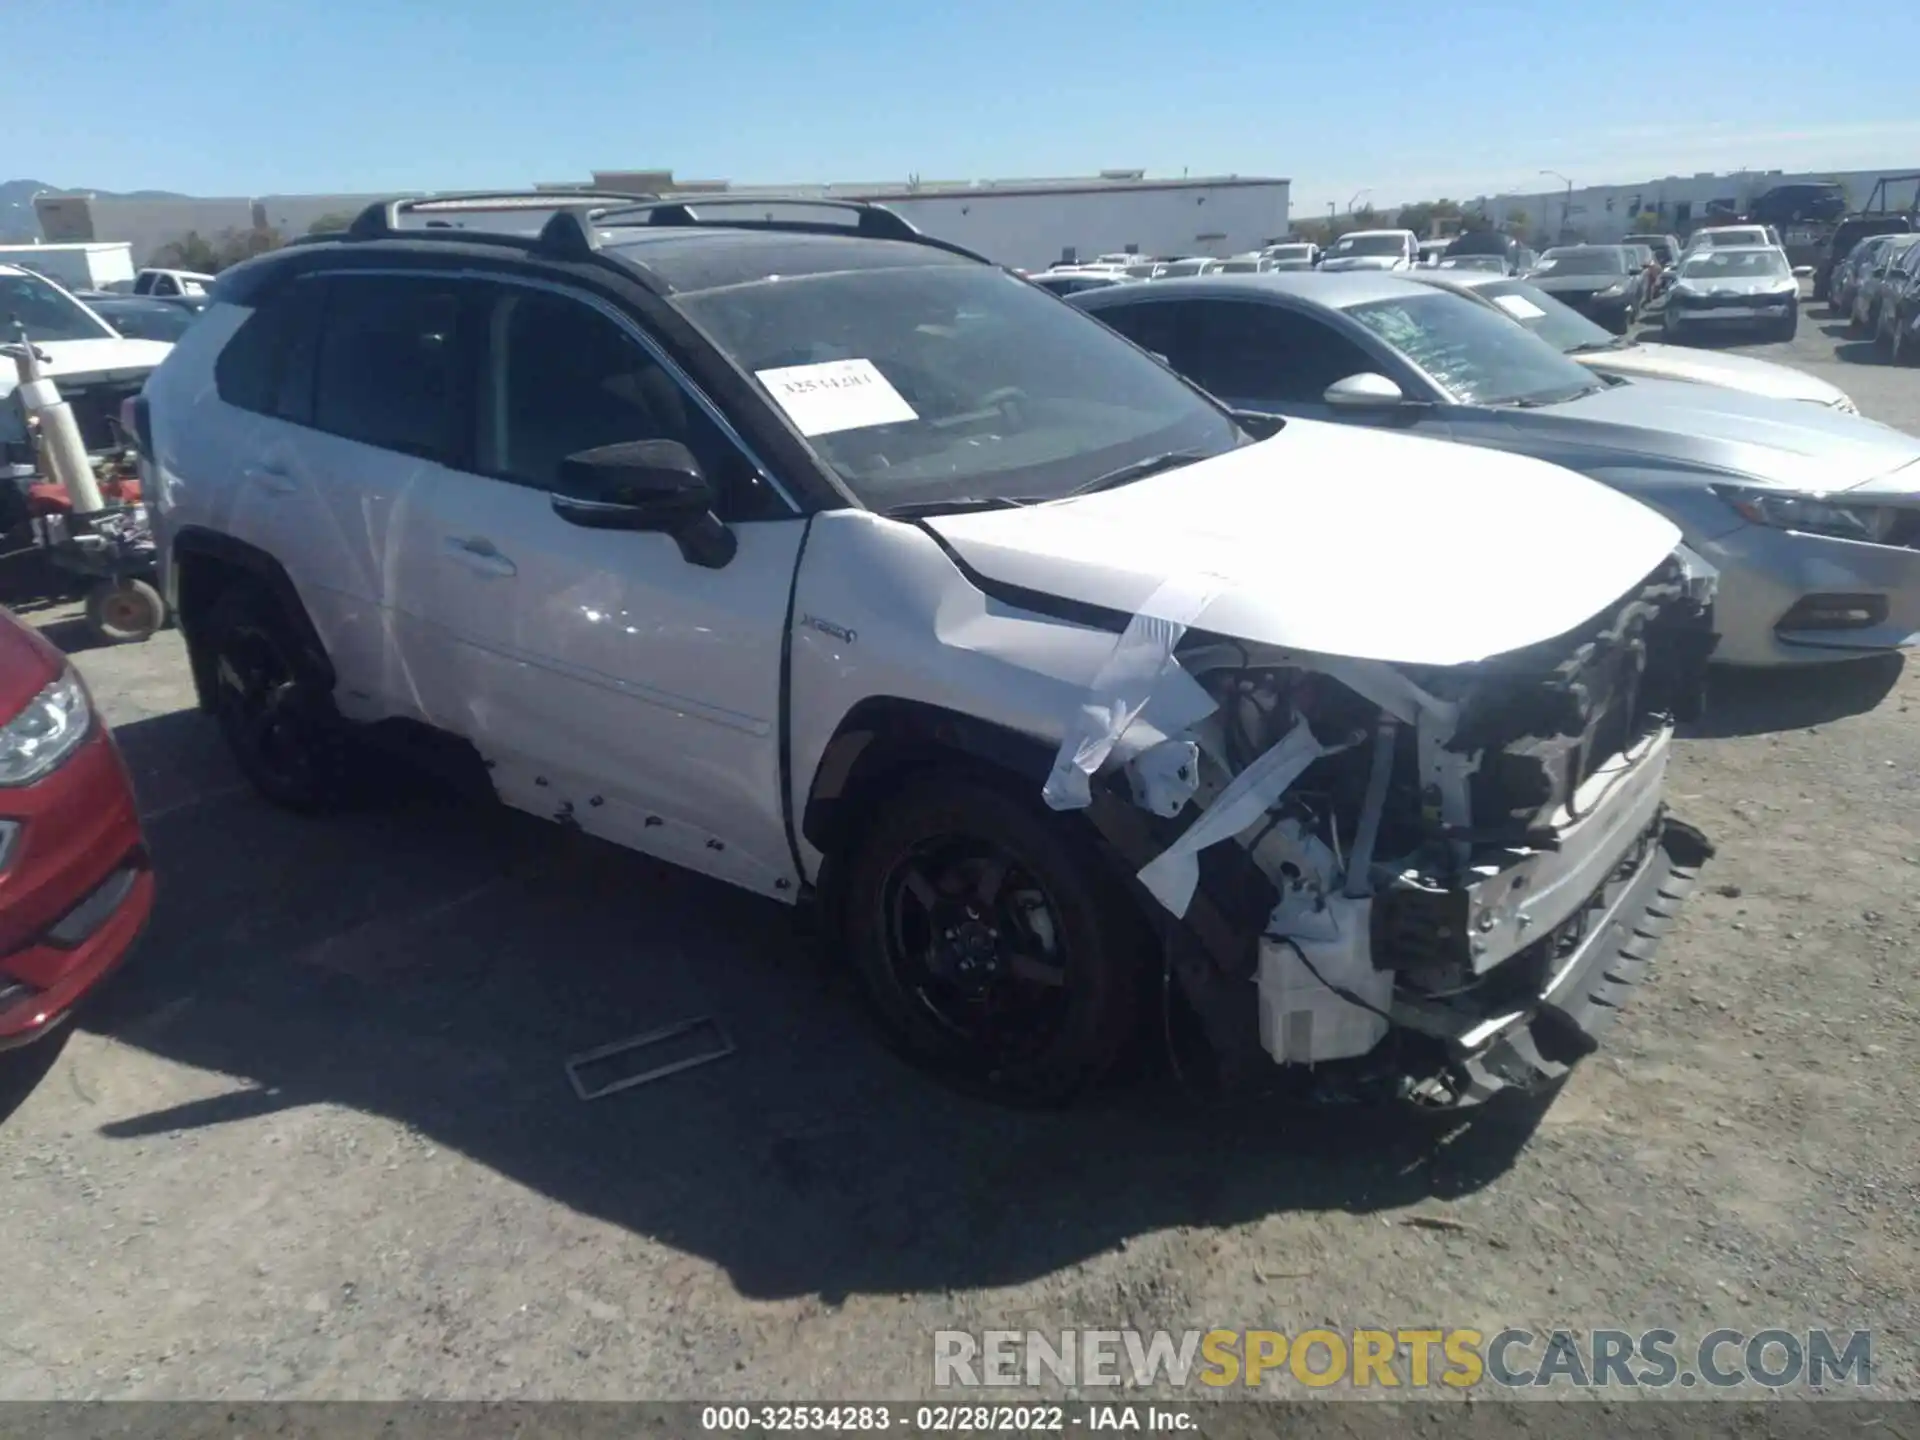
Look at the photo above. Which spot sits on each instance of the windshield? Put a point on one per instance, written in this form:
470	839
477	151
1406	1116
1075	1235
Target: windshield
1561	326
1737	237
1600	260
1742	265
47	312
146	322
1370	245
1471	353
946	382
1491	263
1288	252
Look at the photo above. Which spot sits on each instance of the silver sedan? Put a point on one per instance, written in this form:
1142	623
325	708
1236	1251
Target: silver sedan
1812	516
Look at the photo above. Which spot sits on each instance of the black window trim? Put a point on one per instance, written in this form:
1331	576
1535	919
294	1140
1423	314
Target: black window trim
634	330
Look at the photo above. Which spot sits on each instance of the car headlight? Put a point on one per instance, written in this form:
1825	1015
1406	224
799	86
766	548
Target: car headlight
48	730
1814	516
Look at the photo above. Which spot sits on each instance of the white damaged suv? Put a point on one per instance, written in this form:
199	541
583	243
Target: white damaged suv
828	559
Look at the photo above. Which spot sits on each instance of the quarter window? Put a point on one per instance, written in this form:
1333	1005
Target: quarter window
267	364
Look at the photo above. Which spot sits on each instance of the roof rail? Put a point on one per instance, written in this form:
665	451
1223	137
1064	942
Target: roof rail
873	222
382	219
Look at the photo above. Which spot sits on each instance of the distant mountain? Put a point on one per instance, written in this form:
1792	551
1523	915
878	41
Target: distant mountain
18	223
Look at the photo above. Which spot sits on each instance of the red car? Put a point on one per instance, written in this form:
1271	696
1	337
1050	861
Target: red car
76	886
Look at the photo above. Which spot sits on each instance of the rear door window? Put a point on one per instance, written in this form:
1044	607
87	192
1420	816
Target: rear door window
390	369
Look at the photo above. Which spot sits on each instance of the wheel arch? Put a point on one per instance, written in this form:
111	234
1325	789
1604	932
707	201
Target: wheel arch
883	739
205	566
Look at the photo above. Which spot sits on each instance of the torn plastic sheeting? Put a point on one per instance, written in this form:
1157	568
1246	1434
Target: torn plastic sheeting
1172	875
1140	660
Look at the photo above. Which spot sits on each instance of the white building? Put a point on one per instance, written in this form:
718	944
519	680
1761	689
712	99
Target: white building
146	225
1029	223
1033	223
1603	213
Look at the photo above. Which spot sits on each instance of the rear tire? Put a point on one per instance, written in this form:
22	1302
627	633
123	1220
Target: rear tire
963	903
277	717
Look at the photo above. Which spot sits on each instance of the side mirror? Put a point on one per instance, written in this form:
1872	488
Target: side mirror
1368	391
653	485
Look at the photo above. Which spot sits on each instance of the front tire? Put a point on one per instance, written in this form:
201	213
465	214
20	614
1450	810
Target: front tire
277	717
995	946
1788	327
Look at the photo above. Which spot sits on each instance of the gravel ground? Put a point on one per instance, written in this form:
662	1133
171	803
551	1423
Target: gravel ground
316	1141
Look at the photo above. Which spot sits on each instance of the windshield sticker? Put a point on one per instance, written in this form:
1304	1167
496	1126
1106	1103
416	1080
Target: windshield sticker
836	395
1519	307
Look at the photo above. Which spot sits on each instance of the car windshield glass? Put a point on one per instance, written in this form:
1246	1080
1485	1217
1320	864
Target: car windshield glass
1561	326
47	314
1737	237
950	382
1473	262
1473	354
1601	260
146	322
1289	252
1735	264
1369	245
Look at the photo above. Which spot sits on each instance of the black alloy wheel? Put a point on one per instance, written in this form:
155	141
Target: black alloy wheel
278	720
995	945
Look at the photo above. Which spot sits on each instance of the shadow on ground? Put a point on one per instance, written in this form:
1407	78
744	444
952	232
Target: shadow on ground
1758	702
436	963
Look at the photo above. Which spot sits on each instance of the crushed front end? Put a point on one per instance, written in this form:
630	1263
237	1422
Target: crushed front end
1429	882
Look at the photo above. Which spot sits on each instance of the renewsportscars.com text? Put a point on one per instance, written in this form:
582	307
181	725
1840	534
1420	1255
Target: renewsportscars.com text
1378	1359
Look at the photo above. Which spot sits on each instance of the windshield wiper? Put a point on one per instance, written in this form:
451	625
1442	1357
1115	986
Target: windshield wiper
1612	342
1138	470
1539	402
956	505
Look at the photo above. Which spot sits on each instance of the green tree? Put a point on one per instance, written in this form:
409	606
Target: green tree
192	251
238	245
1517	221
331	222
1647	222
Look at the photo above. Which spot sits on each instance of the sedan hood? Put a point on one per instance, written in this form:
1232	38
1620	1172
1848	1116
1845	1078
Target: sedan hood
1763	440
1739	287
1576	284
91	360
1712	367
1340	541
1365	262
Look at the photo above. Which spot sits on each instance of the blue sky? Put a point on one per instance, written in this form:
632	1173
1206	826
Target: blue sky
1405	101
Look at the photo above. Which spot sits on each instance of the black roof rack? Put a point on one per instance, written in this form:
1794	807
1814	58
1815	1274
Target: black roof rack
382	220
872	222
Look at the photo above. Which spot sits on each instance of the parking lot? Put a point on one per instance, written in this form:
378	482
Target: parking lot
317	1139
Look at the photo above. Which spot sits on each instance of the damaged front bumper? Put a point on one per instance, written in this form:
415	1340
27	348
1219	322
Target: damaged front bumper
1434	884
1597	955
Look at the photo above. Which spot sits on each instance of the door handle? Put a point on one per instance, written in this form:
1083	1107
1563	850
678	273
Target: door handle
271	477
477	552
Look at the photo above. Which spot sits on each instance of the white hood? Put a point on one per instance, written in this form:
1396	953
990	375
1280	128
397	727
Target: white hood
91	360
1713	367
1341	541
